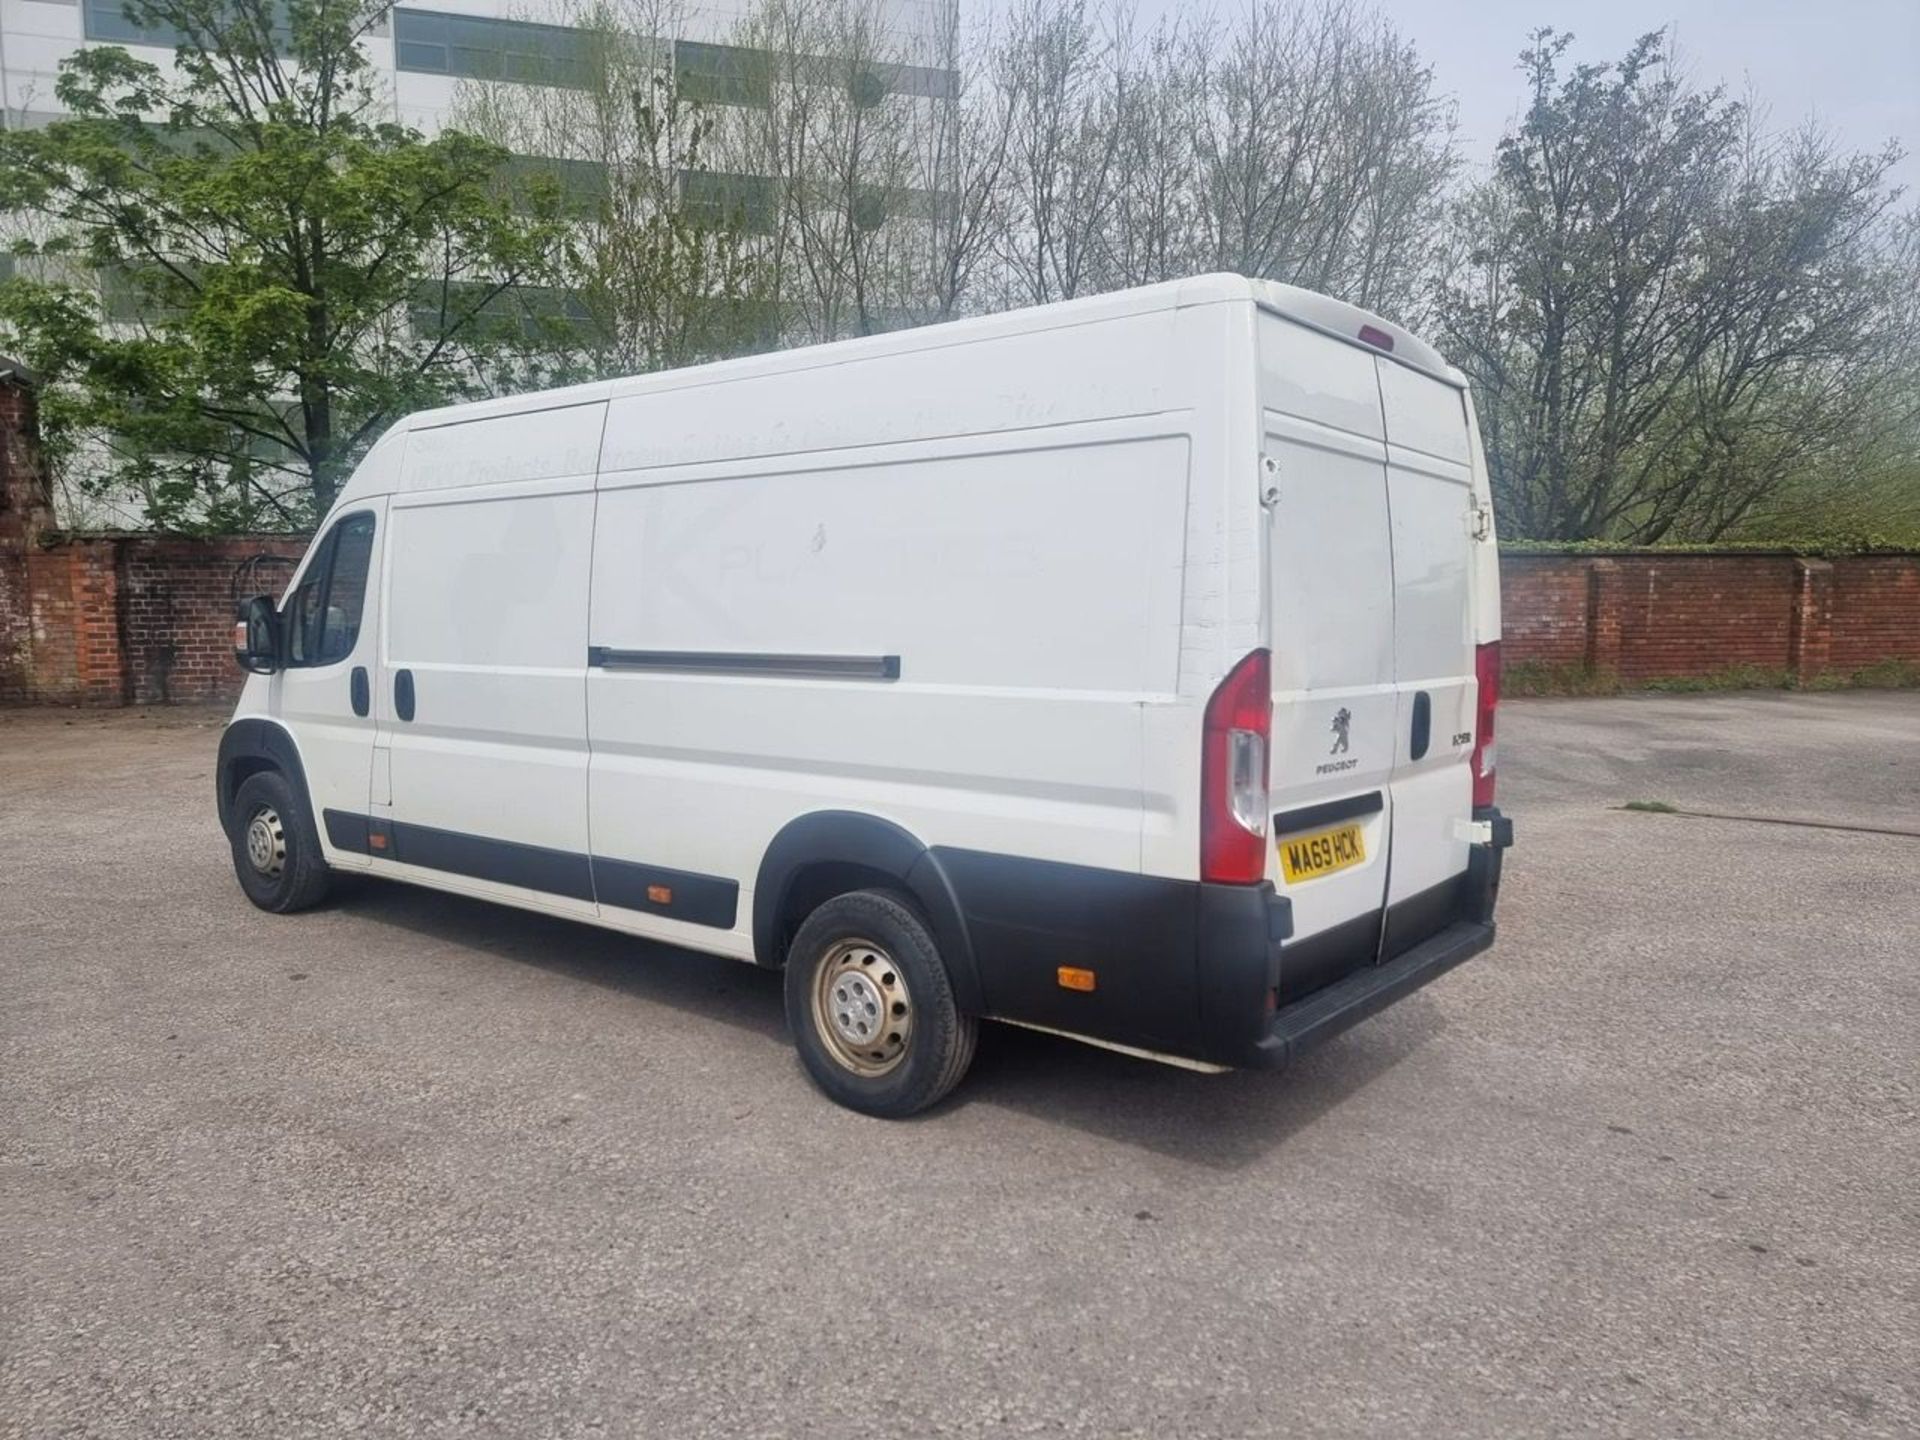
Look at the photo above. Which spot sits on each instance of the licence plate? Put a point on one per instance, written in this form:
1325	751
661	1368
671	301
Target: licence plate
1308	857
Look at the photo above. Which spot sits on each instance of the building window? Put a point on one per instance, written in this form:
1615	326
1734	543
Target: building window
134	294
583	185
921	80
722	74
435	43
714	198
108	20
532	313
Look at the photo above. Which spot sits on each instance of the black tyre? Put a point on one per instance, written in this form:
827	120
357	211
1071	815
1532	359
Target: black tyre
276	853
872	1008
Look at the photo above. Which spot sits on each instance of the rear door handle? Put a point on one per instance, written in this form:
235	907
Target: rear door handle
1422	725
403	694
359	691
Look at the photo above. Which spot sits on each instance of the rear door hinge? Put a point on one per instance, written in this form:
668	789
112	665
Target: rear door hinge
1480	519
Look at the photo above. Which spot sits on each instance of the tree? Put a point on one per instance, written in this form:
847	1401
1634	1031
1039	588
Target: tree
1667	314
246	269
1324	154
961	145
662	263
1066	84
868	162
1301	142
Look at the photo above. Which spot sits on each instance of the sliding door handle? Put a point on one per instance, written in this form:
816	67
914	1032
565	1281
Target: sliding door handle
403	694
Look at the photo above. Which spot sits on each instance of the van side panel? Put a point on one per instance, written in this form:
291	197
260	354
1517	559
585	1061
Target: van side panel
1097	371
1031	595
487	608
486	616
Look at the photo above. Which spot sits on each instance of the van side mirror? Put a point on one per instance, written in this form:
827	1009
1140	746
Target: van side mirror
256	635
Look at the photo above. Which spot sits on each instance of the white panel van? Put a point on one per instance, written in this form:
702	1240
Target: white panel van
1124	668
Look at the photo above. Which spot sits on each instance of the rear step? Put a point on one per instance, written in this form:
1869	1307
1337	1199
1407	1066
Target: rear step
1319	1017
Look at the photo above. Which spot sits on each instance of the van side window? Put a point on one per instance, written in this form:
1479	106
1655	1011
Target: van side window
323	615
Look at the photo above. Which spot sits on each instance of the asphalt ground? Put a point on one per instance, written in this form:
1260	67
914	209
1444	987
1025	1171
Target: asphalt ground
416	1165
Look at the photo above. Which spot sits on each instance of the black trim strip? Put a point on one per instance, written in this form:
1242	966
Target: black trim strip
697	899
721	662
506	862
1307	817
346	831
710	900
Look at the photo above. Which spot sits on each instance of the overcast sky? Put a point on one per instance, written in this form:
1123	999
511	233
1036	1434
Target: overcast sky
1853	63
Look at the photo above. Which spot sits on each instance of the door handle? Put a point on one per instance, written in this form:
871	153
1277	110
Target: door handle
359	691
1422	724
403	694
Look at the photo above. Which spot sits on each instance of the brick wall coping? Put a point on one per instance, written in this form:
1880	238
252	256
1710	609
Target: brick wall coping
174	537
1524	551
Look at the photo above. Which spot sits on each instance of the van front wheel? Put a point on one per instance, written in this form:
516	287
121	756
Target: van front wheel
871	1007
276	854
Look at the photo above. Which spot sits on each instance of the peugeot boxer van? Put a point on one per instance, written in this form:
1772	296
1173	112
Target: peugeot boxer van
1123	668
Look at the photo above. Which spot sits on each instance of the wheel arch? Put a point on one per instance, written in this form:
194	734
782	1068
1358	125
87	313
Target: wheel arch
828	852
249	746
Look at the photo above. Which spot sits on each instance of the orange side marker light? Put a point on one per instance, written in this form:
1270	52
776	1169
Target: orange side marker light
1072	977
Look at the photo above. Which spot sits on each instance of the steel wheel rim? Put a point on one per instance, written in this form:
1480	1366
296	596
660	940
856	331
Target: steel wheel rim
266	842
861	1008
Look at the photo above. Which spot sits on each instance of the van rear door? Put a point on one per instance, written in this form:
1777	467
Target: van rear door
1330	592
1430	502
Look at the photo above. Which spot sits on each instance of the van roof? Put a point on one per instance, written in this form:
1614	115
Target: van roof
1331	317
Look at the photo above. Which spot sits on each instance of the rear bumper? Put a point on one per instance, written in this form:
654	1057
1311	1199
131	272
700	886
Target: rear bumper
1332	981
1204	972
1345	1003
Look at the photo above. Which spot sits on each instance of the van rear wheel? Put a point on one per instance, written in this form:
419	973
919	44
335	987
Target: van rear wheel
872	1008
276	854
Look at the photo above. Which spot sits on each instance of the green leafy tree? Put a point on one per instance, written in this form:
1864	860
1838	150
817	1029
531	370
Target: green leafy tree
245	269
1670	317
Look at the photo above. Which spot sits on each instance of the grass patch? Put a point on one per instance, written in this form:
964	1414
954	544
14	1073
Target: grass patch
1530	678
1881	675
1537	677
1651	807
1727	677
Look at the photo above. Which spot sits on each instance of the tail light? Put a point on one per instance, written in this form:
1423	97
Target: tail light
1233	775
1486	669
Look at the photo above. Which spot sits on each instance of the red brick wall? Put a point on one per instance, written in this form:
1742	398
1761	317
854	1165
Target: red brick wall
1876	610
142	619
1543	611
1687	615
24	515
1651	616
129	620
111	620
175	603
